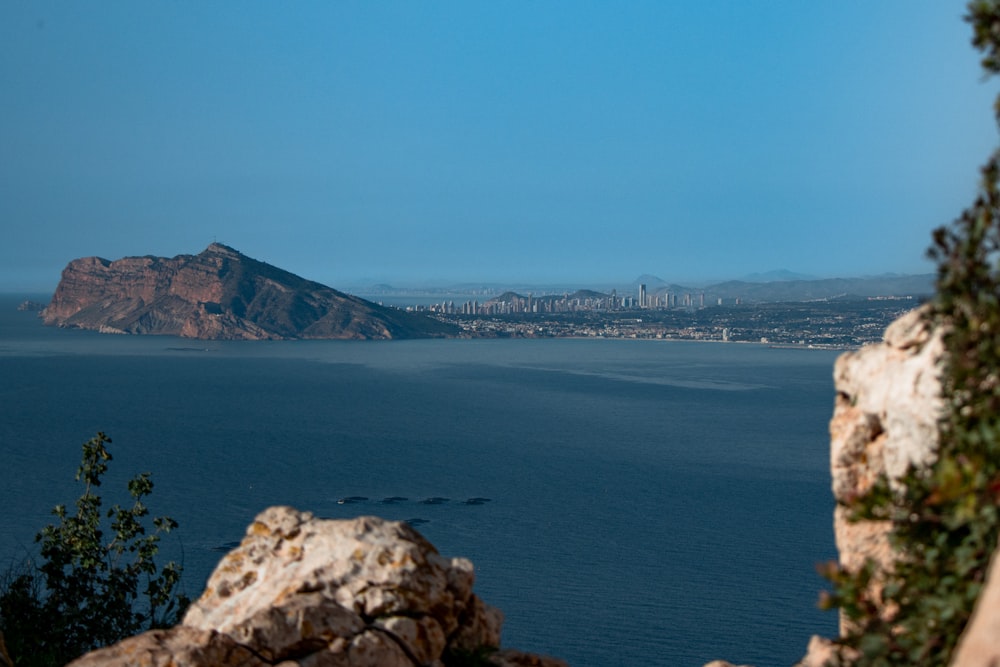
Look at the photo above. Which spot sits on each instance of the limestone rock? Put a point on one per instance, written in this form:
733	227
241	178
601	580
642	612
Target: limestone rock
819	653
296	582
888	406
219	294
347	593
885	419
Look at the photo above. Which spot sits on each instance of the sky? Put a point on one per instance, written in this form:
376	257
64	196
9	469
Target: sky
437	142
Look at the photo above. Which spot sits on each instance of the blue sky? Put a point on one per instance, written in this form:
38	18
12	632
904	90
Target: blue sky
441	142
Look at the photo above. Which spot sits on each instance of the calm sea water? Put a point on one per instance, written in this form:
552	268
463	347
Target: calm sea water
651	503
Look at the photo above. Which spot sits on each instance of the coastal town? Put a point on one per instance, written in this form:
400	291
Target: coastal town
822	324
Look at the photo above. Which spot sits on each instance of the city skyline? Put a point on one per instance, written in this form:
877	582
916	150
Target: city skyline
443	143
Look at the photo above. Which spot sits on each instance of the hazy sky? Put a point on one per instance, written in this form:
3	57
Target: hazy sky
436	142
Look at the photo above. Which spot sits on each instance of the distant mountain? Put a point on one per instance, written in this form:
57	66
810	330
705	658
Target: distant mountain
779	275
650	281
220	294
808	290
888	285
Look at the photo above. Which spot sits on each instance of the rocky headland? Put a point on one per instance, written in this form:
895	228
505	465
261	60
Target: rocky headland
220	294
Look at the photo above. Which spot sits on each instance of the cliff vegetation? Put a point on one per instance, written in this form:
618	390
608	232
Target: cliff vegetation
942	517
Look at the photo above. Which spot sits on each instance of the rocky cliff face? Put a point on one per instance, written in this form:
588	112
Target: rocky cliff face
887	409
219	294
888	403
885	419
346	593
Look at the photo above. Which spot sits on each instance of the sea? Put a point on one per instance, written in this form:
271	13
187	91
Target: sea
641	502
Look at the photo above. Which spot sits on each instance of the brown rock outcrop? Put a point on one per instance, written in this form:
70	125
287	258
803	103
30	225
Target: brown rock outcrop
889	402
886	413
219	294
306	591
885	420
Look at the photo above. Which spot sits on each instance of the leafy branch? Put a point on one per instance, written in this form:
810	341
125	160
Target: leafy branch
944	522
89	590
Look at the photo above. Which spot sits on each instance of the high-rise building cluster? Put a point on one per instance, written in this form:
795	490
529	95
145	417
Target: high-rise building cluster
512	303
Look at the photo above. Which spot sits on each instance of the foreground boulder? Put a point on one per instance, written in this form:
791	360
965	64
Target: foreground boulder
306	591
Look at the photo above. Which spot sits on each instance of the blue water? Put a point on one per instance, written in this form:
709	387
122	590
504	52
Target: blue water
651	502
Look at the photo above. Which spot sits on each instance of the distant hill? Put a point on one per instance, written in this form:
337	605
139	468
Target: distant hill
220	294
779	274
650	281
580	294
786	289
809	290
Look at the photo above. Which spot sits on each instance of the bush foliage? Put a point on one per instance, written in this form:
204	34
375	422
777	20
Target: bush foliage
945	524
95	581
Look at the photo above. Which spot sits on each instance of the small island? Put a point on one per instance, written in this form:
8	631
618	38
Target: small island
220	294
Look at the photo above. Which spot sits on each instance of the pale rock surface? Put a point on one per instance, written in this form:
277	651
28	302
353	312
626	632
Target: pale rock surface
348	593
885	419
888	405
818	654
889	402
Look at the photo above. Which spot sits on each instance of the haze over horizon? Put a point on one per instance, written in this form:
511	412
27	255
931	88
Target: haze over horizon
449	142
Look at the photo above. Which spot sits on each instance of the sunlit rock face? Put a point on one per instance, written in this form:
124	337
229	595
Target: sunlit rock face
886	419
219	294
307	591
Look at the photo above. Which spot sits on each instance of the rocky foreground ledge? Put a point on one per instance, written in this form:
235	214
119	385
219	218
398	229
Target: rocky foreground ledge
343	593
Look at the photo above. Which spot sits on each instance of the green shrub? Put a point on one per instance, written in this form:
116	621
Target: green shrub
945	523
95	581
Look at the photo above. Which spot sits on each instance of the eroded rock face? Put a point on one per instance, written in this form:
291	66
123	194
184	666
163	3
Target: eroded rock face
219	294
307	591
885	419
888	406
296	581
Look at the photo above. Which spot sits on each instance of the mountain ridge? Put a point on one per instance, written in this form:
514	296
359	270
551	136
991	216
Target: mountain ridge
775	291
